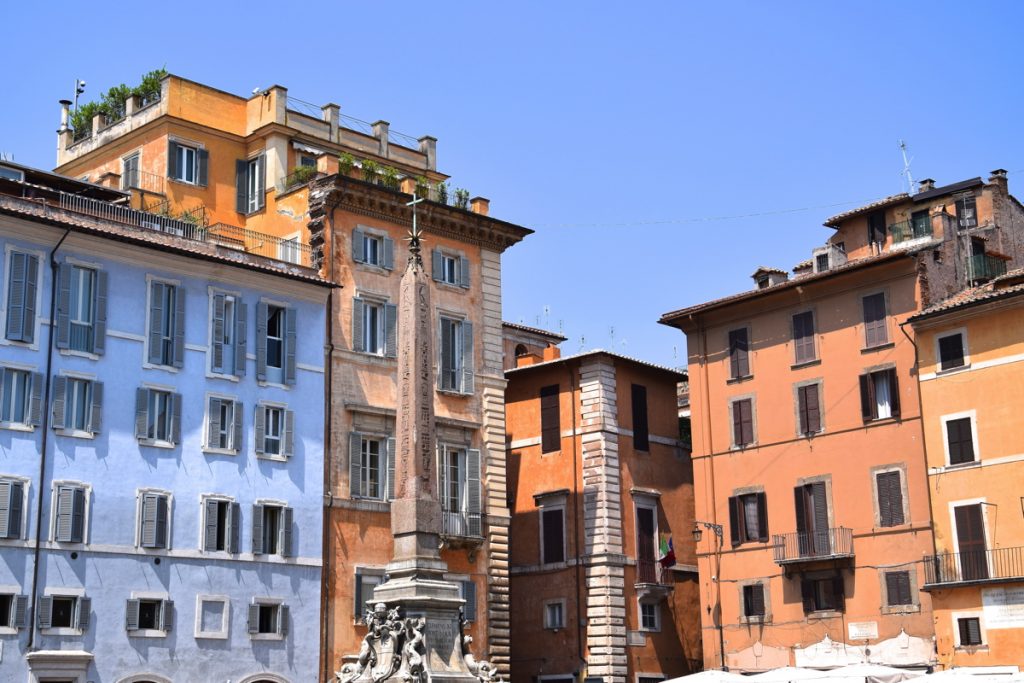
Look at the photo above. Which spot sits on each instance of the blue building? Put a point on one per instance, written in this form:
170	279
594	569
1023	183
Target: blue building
161	447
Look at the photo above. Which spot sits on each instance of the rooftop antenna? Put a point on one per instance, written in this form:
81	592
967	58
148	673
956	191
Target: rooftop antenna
79	89
906	167
583	342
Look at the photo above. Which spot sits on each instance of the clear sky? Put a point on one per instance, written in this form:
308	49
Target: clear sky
636	138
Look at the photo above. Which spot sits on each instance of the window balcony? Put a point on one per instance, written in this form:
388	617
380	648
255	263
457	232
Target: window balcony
985	267
813	546
461	524
905	231
946	570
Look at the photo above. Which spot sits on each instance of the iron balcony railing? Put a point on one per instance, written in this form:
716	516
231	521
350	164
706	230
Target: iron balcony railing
143	180
922	227
975	566
811	546
290	250
986	267
650	571
462	524
128	216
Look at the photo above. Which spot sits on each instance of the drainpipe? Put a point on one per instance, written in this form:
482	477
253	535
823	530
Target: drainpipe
45	427
576	522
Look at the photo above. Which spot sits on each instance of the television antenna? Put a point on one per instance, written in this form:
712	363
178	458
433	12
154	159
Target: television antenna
79	89
906	167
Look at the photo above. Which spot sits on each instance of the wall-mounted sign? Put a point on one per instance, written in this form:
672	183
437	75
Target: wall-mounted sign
1004	607
863	630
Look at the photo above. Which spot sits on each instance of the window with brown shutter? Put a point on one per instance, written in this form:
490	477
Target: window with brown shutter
550	429
639	403
739	359
897	589
879	395
803	336
823	595
951	351
961	441
890	499
748	518
809	409
743	422
970	631
971	542
876	332
753	600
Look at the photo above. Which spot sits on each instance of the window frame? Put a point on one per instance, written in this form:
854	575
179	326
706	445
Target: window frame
547	621
982	629
640	428
126	183
464	372
32	397
237	325
9	624
871	398
286	445
197	148
901	469
37	319
733	376
886	318
816	578
284	536
224	631
799	362
175	364
140	495
236	431
280	377
553	502
373	577
254	167
76	266
229	501
77	595
734	443
164	625
282	614
656	605
966	365
86	489
915	597
741	589
971	415
22	530
738	534
550	398
799	392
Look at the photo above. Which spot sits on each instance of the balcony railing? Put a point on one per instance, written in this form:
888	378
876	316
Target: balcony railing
651	571
985	267
132	217
461	524
909	230
143	180
977	566
290	250
812	546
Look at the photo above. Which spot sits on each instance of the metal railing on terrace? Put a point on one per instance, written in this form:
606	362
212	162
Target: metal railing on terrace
811	546
985	267
143	180
463	524
139	219
977	566
904	231
351	122
252	242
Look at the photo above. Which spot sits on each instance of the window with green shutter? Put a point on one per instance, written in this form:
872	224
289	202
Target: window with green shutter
456	356
166	334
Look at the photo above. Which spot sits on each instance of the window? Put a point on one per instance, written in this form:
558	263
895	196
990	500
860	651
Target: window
187	163
250	184
803	337
373	249
154	516
228	335
149	614
307	161
889	487
753	600
967	212
969	631
742	422
467	591
212	612
81	309
130	171
20	397
972	543
13	611
268	619
371	466
64	611
275	431
450	269
77	405
12	506
879	395
748	517
897	589
275	344
224	424
650	616
456	350
166	324
157	416
739	359
951	351
550	416
22	281
647	550
554	614
876	331
460	492
552	527
814	538
271	530
921	223
808	408
12	174
367	579
69	510
876	227
639	403
222	521
960	440
823	594
374	327
821	263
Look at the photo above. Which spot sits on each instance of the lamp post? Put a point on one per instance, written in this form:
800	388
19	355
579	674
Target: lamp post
698	533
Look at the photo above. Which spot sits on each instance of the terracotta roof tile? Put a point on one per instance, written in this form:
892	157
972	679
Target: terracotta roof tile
834	221
1008	285
533	330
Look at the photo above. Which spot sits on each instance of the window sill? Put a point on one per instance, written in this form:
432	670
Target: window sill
152	443
649	630
262	383
901	609
805	364
881	420
147	633
213	374
79	354
953	371
17	427
61	631
8	631
761	619
272	457
453	392
743	447
880	347
452	285
220	451
75	433
32	346
824	614
182	181
157	366
266	636
738	380
970	649
212	635
373	267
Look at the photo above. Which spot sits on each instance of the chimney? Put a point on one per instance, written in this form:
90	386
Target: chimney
551	353
480	205
380	131
330	112
998	177
925	185
65	115
428	147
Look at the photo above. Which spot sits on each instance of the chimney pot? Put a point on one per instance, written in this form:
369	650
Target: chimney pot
925	185
65	115
998	177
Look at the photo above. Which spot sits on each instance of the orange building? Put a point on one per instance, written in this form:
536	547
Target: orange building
808	450
971	370
598	477
274	175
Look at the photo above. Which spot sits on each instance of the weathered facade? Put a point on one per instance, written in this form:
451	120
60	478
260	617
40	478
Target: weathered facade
597	479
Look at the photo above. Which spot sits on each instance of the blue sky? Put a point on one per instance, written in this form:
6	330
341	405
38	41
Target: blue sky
630	136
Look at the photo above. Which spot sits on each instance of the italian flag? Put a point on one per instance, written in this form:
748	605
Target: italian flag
666	551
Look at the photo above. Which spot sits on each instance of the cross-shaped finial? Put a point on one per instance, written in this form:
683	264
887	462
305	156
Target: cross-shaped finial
415	235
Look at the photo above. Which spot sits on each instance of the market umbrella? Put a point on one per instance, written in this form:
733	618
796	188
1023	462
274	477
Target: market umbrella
870	673
787	674
709	676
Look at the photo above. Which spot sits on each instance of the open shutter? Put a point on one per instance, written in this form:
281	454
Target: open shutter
468	357
756	600
357	595
259	429
287	517
44	611
282	619
83	613
218	332
254	618
17	296
213	424
78	516
437	264
175	418
241	333
204	164
262	310
290	346
167	615
469	594
261	186
734	520
358	245
892	588
739	364
156	315
99	328
236	425
358	333
131	615
894	392
234	527
762	516
737	423
474	493
63	306
161	521
391	468
355	443
210	535
257	529
35	405
464	272
444	345
391	330
839	592
801	511
867	398
289	433
179	327
65	507
149	505
389	252
16	509
20	619
172	159
5	508
241	189
807	595
141	412
96	409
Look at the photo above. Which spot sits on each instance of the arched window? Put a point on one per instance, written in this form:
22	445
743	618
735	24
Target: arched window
521	350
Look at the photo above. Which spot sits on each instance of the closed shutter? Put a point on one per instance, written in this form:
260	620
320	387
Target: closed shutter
894	392
820	506
44	611
355	470
5	509
175	418
131	615
391	468
210	535
237	410
438	264
150	502
638	397
167	615
99	328
20	619
970	631
743	422
288	447
156	315
469	595
254	618
897	588
290	345
358	245
21	297
753	599
241	187
391	330
261	186
161	522
259	428
444	347
961	440
970	532
762	516
867	398
179	327
65	510
875	333
204	165
35	405
234	527
951	351
473	492
463	272
890	499
172	159
218	333
141	413
78	516
550	427
63	306
96	408
468	357
83	613
810	413
357	595
213	425
257	529
287	517
736	534
262	311
241	334
739	361
389	252
358	332
803	336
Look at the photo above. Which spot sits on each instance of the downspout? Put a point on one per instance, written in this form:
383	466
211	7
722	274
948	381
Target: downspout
576	521
45	427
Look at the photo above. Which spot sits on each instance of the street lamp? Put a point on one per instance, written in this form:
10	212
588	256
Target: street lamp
698	532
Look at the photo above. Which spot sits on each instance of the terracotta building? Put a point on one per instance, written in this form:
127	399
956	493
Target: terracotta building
598	480
970	368
270	172
807	433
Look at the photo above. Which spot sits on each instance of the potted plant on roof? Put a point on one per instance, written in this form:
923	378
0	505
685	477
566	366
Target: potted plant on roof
389	177
461	198
370	170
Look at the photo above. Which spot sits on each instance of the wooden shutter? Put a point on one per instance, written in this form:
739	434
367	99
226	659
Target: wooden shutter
820	504
179	327
890	499
438	264
131	615
469	595
290	345
20	619
96	408
839	592
743	422
739	360
358	245
83	613
213	425
288	441
444	347
161	522
20	325
468	357
257	529
638	395
287	517
897	588
553	524
392	446
474	494
801	510
203	158
463	272
99	326
358	331
259	428
241	334
970	631
391	330
156	313
234	527
961	440
175	418
736	534
35	405
241	186
141	413
970	532
762	516
63	332
807	595
867	398
803	336
389	252
261	186
210	524
262	311
78	516
172	159
44	611
355	465
6	495
894	392
254	618
737	423
166	615
951	351
550	427
753	598
809	409
875	332
65	510
150	502
237	410
218	333
357	595
282	619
